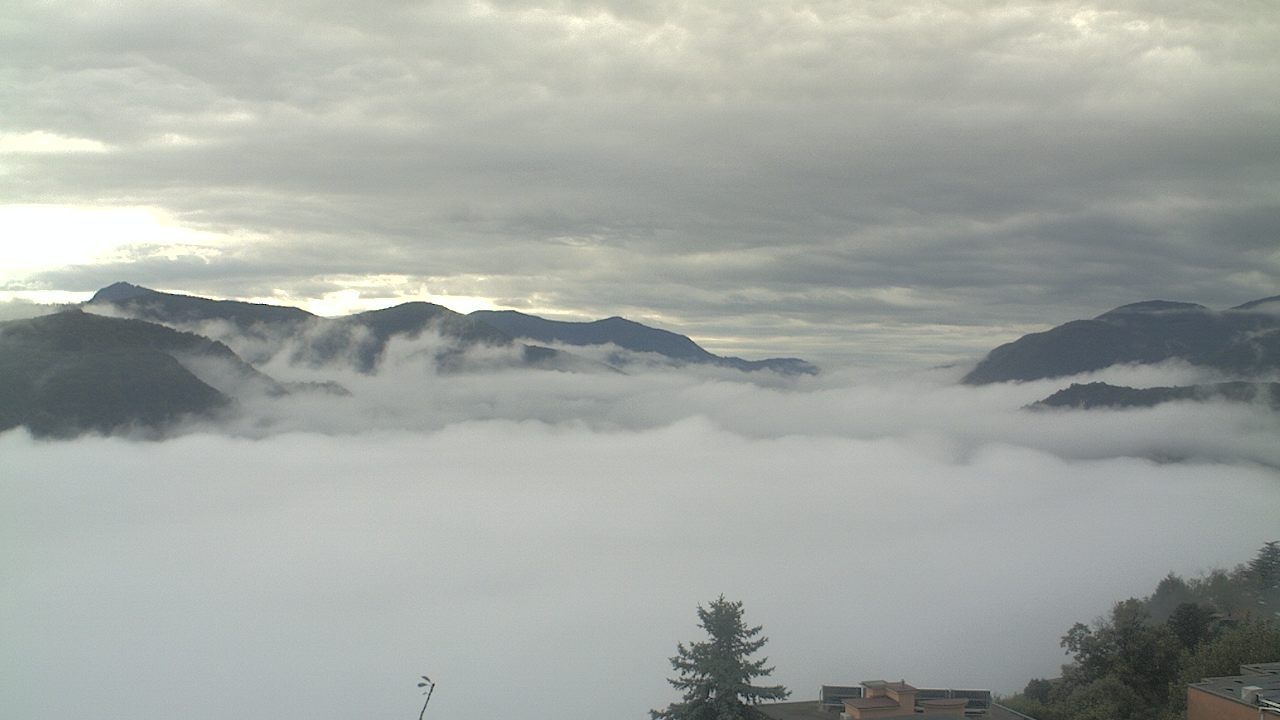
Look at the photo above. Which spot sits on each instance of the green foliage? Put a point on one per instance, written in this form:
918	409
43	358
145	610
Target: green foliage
1106	698
1253	641
715	675
1038	690
1225	591
1137	662
72	372
1170	593
1191	623
1264	569
1127	649
1038	709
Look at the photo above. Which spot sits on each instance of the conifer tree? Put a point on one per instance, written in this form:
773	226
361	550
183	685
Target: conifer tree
1265	566
715	675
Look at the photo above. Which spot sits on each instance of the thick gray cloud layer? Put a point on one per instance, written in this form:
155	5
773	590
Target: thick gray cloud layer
554	568
822	178
540	539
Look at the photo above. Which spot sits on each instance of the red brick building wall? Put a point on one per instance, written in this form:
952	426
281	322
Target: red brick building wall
1207	706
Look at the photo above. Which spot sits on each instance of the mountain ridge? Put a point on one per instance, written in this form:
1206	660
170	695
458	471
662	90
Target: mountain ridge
151	304
1243	341
71	372
361	338
365	335
633	336
1085	396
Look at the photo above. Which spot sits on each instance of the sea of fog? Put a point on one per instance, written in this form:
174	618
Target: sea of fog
537	542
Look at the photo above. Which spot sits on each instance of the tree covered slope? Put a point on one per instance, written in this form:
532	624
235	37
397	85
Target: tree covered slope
632	336
1099	395
72	372
1243	341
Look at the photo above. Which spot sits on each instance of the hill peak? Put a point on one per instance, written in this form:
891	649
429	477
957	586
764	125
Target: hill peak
1244	342
1267	303
120	291
1153	306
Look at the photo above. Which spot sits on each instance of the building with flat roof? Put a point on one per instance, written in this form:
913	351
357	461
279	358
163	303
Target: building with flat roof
1254	694
884	700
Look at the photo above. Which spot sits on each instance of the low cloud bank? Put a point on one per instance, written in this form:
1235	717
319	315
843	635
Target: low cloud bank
409	393
539	539
554	567
20	309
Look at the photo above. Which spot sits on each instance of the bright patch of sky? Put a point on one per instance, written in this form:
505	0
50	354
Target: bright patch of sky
785	177
376	293
41	237
39	141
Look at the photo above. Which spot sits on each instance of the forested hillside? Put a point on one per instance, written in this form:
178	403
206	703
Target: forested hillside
1136	663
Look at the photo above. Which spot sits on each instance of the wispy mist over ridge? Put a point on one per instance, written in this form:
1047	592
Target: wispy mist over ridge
906	185
408	389
538	538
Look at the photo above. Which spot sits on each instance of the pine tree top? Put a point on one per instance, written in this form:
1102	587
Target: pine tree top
715	675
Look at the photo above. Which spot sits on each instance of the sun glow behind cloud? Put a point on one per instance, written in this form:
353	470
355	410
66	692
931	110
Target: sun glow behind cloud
45	142
842	167
40	237
885	184
346	302
362	293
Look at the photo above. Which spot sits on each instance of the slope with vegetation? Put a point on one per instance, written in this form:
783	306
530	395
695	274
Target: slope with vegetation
1137	662
71	372
1243	341
630	336
1085	396
716	676
147	304
362	338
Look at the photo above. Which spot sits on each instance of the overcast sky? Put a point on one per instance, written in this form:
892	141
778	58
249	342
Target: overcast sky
857	180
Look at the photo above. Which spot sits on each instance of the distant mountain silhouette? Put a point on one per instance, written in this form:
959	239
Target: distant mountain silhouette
362	338
629	335
410	320
146	304
1269	304
72	372
1244	341
77	371
1103	395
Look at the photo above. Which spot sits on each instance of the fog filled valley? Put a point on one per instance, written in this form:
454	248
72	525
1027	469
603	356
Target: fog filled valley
347	345
537	540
